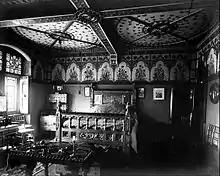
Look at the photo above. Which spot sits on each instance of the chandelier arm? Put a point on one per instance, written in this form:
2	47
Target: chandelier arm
186	16
146	24
48	33
65	29
139	21
143	36
36	30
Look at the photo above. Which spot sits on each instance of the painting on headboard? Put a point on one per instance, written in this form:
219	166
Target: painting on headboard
113	101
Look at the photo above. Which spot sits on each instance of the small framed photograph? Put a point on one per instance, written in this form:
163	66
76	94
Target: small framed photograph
59	88
158	94
87	91
97	99
141	92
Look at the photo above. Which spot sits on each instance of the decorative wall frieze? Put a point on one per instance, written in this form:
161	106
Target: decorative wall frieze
89	72
140	72
212	34
73	73
146	67
160	57
82	59
123	72
160	72
58	73
211	43
38	71
179	72
180	56
126	58
105	72
144	57
208	53
212	62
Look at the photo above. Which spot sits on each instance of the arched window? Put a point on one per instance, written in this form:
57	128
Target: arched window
14	83
13	64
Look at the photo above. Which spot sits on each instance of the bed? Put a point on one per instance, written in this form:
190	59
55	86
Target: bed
98	128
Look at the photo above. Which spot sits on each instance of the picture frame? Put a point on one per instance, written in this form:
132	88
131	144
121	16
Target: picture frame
87	91
97	99
158	93
57	88
141	92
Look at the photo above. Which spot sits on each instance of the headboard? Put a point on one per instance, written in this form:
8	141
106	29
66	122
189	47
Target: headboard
106	122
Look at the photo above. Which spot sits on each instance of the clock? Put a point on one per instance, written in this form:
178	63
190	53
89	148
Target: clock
214	93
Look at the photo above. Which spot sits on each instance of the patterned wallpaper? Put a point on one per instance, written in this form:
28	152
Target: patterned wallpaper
209	51
150	67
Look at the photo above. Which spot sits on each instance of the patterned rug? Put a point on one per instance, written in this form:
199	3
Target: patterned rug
20	170
17	171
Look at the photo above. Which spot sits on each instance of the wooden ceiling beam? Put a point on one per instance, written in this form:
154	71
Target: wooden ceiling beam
36	20
119	13
107	13
97	28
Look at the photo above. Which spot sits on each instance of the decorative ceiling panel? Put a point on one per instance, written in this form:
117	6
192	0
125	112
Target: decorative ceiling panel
138	33
47	33
144	24
15	2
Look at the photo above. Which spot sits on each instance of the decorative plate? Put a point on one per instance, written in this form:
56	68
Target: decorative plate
214	93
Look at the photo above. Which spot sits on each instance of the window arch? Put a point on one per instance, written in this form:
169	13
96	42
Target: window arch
14	82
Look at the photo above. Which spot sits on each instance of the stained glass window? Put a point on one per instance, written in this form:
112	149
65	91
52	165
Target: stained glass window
13	64
1	60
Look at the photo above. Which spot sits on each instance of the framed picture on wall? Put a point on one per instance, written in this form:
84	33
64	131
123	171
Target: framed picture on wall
87	91
97	99
158	93
141	92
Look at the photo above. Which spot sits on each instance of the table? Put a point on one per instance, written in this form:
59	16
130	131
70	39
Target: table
52	153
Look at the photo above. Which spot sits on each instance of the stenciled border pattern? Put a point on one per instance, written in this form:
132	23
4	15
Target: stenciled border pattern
126	70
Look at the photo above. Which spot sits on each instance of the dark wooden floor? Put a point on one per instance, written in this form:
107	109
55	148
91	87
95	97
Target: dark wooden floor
161	160
115	163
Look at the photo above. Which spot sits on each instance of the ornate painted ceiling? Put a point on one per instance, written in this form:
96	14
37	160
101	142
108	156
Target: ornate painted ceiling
152	33
51	31
19	2
80	24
